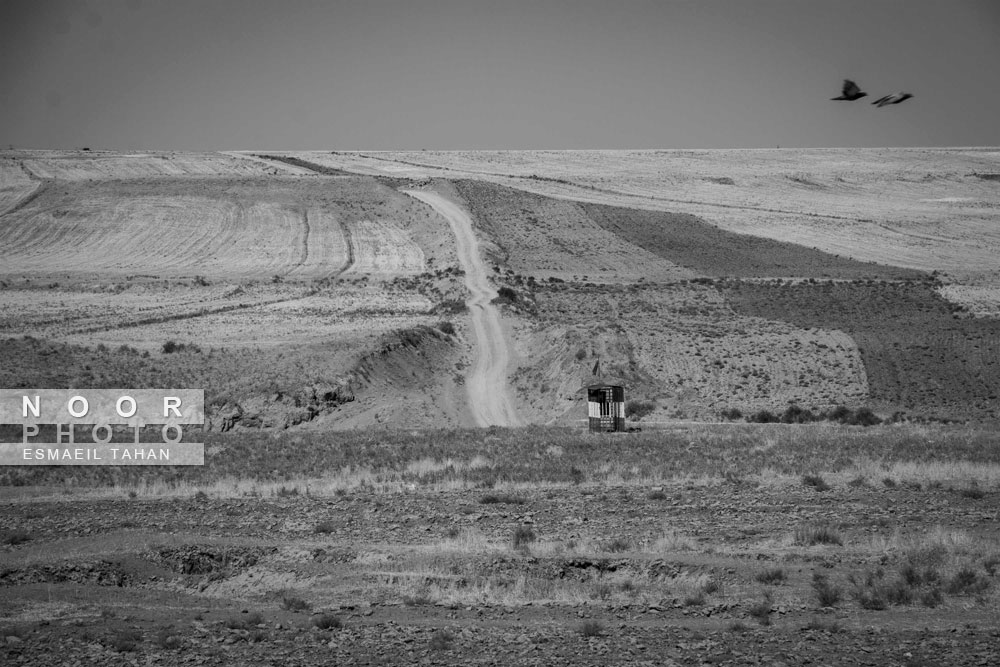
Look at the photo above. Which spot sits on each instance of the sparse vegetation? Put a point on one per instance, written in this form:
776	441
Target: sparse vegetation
441	640
522	537
816	481
501	498
246	621
771	576
827	593
126	641
325	528
761	609
817	534
294	603
636	409
15	536
327	622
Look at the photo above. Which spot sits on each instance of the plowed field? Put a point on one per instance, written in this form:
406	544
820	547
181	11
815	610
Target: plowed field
217	228
917	208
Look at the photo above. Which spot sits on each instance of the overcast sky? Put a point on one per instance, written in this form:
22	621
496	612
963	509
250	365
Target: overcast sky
507	74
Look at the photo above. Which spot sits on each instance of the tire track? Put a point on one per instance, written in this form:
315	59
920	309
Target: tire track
304	249
490	398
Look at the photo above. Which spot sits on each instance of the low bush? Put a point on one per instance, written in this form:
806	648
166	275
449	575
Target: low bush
294	603
501	499
638	409
816	482
441	640
327	622
966	582
251	620
126	641
827	594
771	576
523	536
325	528
15	536
819	534
761	610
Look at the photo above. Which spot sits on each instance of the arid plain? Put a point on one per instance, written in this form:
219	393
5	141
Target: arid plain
357	318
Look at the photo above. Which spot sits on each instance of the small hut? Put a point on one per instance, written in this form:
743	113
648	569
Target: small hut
606	407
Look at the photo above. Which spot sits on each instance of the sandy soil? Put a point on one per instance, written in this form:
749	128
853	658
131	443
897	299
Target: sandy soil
489	396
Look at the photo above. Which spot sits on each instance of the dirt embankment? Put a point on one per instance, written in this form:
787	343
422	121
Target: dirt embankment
489	394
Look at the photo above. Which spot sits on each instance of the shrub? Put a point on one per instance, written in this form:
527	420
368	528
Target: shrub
638	409
327	622
761	610
965	582
126	641
865	417
15	536
731	414
973	491
931	598
450	307
581	354
618	545
294	603
325	528
821	534
501	499
166	638
771	576
245	623
591	629
446	327
505	295
827	594
441	640
169	347
795	415
523	536
695	599
764	417
816	482
657	495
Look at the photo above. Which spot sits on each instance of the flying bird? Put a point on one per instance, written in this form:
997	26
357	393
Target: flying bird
850	92
895	98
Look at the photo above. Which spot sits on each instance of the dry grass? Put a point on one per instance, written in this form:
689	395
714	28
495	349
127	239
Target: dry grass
506	461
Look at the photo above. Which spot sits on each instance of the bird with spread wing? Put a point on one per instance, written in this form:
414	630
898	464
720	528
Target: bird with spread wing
850	92
895	98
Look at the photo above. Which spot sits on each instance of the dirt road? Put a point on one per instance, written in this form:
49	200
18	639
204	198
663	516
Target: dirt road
489	395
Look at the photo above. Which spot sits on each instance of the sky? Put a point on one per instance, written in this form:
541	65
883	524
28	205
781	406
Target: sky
505	74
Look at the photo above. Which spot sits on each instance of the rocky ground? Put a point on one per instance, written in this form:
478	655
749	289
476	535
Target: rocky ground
601	574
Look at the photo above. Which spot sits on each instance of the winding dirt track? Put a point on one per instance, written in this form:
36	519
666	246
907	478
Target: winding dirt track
489	395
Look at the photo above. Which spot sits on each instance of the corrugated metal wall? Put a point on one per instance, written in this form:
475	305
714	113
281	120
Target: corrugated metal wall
606	407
